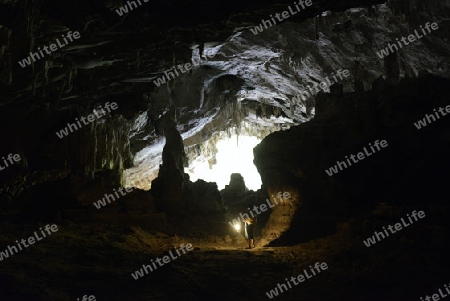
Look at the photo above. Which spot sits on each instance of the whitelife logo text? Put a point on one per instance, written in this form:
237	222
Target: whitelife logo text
274	292
53	47
124	9
187	67
430	118
262	207
110	197
280	17
323	85
98	113
411	38
437	297
166	259
31	241
360	155
371	240
10	158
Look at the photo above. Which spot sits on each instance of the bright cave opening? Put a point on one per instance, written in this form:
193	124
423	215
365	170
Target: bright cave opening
234	155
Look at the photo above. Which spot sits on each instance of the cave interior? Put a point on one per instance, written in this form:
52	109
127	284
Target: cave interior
138	136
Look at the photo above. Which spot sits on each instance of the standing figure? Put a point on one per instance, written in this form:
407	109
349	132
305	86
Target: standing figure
249	231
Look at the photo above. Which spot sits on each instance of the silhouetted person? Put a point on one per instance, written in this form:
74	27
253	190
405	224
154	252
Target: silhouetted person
249	228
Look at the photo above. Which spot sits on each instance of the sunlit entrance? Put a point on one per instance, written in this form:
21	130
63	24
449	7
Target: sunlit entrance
235	155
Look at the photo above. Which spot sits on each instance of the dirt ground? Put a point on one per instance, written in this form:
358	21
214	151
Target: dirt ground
94	259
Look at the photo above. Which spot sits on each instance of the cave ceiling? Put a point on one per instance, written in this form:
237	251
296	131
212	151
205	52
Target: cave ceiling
242	86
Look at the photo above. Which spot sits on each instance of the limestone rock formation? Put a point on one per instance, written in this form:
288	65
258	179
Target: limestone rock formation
170	186
344	125
206	197
235	190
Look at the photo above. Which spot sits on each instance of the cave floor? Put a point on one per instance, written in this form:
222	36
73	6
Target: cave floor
88	259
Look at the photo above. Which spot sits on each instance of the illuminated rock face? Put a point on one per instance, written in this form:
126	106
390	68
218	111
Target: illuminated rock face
283	210
247	84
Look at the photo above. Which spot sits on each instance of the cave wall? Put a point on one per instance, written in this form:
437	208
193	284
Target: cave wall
410	171
101	66
115	60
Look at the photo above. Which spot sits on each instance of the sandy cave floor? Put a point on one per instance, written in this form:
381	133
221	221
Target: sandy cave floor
98	260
